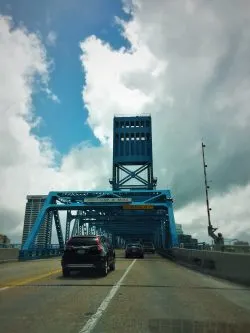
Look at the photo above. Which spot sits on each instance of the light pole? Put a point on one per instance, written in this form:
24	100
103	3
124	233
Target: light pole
206	186
211	230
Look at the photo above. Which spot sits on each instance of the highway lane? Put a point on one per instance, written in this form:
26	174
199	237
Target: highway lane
14	273
155	295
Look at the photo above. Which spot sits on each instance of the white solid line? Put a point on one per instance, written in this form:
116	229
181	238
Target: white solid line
91	323
4	288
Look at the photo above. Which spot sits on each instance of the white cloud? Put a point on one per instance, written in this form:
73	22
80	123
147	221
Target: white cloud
51	38
28	163
190	69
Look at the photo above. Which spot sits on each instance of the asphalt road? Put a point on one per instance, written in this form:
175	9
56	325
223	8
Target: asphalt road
142	295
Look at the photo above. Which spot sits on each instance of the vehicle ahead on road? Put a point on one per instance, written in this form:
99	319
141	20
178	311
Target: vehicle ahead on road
88	252
134	250
149	247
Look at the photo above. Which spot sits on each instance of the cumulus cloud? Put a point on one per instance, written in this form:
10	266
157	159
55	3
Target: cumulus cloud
28	163
187	65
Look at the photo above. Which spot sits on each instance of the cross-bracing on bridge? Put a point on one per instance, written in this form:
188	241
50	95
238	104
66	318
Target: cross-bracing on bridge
134	209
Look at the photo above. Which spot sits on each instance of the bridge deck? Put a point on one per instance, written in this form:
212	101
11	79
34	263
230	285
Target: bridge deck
154	292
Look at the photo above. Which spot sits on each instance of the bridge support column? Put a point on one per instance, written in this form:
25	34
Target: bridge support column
158	238
68	220
163	234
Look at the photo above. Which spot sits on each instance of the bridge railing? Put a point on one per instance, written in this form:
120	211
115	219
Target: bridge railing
13	252
235	248
223	248
40	252
18	246
193	246
10	246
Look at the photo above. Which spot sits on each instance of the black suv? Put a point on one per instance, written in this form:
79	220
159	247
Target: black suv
92	252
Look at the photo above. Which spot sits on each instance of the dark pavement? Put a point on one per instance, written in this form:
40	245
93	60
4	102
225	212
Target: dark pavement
142	295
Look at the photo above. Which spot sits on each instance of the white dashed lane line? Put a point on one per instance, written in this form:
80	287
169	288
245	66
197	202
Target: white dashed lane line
91	323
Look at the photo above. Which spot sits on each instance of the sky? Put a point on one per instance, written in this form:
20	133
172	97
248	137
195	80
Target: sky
67	67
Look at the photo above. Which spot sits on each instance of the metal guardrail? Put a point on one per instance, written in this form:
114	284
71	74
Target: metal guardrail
39	252
223	248
192	246
18	246
235	248
36	253
10	246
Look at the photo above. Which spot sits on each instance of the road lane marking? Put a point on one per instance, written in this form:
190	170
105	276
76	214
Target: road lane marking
91	323
28	280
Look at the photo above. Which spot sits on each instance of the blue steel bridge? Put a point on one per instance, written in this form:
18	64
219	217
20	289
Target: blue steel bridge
133	210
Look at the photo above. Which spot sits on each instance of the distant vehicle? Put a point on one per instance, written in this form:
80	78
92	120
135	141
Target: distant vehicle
149	247
88	252
134	250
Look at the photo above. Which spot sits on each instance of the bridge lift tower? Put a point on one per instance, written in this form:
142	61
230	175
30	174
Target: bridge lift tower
133	209
132	147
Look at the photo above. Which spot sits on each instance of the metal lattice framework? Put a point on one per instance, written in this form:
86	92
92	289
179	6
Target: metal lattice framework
149	215
126	213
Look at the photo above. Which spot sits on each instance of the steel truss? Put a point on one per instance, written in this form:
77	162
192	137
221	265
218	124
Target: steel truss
123	183
110	218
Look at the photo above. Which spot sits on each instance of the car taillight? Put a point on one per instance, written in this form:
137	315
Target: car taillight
69	247
99	245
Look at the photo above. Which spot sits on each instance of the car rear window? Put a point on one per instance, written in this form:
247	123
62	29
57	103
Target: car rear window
131	245
81	241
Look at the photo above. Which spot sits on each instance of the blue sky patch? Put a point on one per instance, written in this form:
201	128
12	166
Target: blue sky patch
72	22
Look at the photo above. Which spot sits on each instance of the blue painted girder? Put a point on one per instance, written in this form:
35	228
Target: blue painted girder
78	206
159	199
136	195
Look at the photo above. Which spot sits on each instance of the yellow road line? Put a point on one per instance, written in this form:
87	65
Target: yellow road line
28	280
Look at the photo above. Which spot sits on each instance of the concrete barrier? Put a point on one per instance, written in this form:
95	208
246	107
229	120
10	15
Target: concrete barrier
7	255
234	267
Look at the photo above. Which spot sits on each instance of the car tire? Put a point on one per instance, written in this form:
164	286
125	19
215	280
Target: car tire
112	266
142	257
66	272
104	270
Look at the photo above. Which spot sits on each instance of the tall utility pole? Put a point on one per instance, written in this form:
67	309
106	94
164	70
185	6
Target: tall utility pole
206	186
218	239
